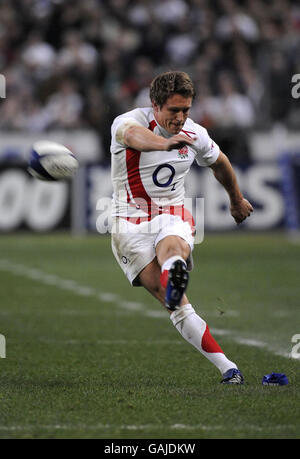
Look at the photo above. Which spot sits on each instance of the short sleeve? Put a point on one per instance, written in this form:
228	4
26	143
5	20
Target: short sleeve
134	117
207	151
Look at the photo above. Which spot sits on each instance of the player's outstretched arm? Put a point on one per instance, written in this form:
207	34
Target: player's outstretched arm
142	139
240	208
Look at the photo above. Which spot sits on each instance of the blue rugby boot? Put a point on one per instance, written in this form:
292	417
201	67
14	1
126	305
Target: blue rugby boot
177	284
232	376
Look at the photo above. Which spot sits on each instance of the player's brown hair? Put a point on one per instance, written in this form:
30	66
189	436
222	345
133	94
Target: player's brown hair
169	83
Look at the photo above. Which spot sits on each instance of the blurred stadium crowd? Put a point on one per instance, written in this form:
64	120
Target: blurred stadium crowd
71	63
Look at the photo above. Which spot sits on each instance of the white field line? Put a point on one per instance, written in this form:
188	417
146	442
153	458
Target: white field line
70	285
142	427
108	297
250	342
107	427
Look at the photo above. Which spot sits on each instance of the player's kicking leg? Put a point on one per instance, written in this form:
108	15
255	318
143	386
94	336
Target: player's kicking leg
172	253
167	274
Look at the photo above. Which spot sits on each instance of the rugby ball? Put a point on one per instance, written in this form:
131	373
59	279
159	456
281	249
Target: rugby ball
51	161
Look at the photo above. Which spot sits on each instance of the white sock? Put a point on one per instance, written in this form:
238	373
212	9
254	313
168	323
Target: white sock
196	332
168	263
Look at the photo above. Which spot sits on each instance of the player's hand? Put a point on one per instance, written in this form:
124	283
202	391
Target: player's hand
178	141
240	210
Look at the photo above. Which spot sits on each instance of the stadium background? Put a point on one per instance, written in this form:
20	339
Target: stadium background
71	67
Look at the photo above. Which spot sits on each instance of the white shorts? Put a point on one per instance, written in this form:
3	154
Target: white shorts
134	245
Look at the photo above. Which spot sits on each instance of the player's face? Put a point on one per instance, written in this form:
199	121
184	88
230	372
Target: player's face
173	114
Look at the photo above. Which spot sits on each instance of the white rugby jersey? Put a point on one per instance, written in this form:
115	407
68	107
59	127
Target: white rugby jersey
144	181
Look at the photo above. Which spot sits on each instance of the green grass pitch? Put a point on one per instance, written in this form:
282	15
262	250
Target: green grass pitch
88	356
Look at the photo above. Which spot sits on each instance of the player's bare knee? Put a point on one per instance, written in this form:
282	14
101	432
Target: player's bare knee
171	248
